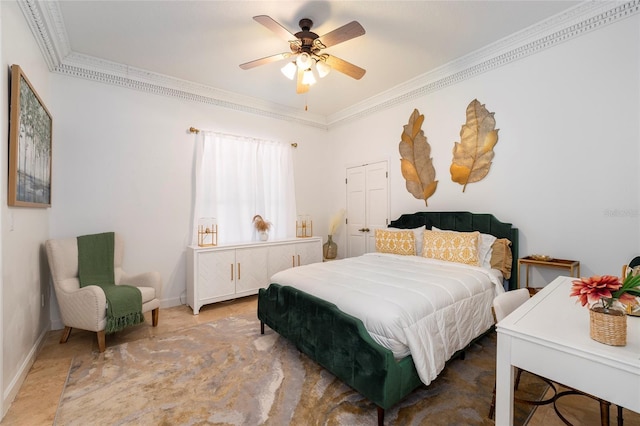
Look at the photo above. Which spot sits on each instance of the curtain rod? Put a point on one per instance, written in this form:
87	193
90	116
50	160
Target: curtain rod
196	131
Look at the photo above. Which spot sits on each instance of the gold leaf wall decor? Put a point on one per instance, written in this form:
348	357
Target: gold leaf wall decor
473	154
416	162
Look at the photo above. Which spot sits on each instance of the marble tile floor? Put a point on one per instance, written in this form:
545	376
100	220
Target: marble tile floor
37	400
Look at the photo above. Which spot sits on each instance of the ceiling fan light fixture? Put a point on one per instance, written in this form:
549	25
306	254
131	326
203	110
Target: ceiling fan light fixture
289	70
308	78
304	61
323	69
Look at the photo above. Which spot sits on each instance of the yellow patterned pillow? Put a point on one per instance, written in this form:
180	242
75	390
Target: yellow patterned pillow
395	242
461	247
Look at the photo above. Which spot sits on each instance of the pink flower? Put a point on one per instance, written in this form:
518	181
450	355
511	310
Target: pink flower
594	288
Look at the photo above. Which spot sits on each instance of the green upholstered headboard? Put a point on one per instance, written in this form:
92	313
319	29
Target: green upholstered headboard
466	222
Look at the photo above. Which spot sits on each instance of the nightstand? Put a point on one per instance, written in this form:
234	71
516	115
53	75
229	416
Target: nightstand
573	266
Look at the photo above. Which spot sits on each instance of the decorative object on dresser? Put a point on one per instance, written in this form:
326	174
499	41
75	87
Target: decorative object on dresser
334	329
30	140
207	232
605	295
225	272
472	156
262	226
304	226
416	163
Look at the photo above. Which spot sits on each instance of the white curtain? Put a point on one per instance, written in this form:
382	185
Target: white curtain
238	178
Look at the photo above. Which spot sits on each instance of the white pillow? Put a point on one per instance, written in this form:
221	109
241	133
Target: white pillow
484	247
417	233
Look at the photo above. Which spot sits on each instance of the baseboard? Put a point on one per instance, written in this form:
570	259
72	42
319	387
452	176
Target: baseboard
17	381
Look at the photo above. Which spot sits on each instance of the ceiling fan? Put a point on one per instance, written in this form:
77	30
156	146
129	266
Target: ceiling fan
306	56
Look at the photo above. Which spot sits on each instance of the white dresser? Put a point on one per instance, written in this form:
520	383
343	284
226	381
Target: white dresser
225	272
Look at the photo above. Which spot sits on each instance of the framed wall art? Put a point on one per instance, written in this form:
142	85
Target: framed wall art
30	131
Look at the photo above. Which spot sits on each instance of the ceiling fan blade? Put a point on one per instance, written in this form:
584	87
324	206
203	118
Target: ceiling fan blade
345	67
266	60
278	29
301	88
346	32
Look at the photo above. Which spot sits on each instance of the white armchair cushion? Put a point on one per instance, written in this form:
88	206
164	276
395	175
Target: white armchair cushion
85	308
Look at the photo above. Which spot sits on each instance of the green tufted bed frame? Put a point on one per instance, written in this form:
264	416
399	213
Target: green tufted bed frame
340	343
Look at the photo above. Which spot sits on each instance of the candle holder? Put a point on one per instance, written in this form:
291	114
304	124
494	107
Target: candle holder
304	227
207	232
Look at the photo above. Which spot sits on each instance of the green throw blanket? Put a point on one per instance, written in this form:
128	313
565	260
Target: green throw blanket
95	267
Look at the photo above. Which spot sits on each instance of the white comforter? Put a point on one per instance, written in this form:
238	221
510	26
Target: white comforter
409	304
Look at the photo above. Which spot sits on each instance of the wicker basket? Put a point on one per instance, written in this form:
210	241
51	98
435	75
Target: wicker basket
609	328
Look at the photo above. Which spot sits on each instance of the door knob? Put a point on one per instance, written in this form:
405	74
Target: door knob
363	229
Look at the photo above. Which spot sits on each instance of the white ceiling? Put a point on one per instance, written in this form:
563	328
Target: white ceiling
205	41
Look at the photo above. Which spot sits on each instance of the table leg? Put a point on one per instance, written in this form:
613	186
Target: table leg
504	382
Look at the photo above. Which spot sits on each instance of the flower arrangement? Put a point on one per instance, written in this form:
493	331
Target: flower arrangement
335	221
606	289
261	224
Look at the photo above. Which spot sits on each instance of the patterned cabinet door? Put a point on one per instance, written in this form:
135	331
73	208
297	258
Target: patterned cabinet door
251	269
308	252
216	275
281	257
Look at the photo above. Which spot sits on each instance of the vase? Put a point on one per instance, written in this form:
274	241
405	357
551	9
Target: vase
329	249
264	236
608	326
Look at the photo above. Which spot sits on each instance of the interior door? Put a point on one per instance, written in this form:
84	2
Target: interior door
356	211
367	206
377	202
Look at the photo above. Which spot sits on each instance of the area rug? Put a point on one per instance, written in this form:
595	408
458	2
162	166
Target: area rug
227	373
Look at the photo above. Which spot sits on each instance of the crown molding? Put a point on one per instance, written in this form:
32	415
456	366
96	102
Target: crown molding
562	27
45	21
113	73
46	24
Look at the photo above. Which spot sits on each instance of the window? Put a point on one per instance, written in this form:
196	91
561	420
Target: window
239	177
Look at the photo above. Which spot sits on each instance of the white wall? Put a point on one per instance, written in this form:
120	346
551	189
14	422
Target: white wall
565	170
23	230
123	161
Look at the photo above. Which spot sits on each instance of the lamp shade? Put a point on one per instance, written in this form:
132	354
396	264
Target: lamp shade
289	70
308	78
323	68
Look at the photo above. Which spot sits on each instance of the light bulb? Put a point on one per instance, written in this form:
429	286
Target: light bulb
308	78
289	70
323	68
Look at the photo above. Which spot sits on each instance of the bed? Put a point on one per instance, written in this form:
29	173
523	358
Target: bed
350	343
